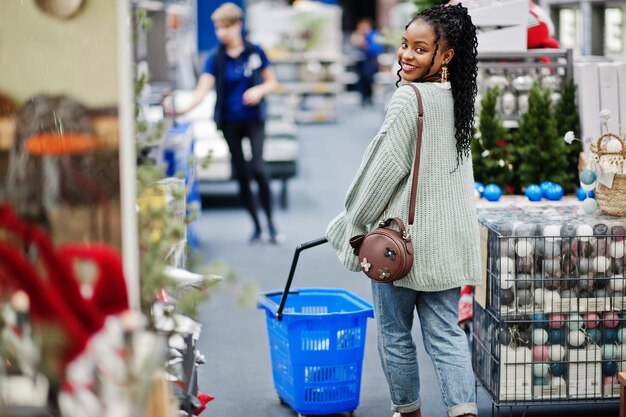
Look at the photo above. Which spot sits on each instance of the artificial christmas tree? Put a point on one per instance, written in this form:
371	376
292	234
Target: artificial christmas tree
491	149
540	154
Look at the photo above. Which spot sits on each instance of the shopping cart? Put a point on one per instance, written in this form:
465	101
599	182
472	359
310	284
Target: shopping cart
317	339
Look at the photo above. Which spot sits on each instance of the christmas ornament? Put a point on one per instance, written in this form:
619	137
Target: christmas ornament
581	194
504	336
600	264
609	352
541	370
492	192
588	177
544	187
609	336
504	264
584	231
556	353
508	103
540	336
575	338
610	380
565	294
551	299
614	145
523	298
609	368
506	297
557	320
590	205
557	369
540	353
595	335
589	187
574	321
523	281
554	192
616	249
539	294
480	187
618	232
506	280
533	192
540	320
555	336
524	247
591	320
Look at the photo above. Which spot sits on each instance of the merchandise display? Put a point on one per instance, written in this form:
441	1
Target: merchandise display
549	325
515	73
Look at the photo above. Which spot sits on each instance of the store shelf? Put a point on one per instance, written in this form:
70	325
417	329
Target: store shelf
561	58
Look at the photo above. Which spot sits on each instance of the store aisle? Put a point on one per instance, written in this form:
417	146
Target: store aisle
234	336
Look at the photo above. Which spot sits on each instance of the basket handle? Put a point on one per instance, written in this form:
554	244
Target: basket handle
609	135
294	262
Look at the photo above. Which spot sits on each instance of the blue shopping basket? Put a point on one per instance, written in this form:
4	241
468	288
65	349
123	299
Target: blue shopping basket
317	340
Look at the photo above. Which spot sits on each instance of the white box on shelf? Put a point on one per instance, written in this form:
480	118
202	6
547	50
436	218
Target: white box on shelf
549	391
587	81
610	390
567	305
501	13
584	372
609	93
515	374
507	39
621	81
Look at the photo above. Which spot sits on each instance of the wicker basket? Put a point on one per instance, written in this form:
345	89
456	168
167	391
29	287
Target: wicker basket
611	200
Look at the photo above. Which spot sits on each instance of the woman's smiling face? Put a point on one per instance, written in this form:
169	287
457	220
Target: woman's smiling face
416	51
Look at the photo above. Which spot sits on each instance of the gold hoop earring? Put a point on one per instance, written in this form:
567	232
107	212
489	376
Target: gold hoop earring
444	73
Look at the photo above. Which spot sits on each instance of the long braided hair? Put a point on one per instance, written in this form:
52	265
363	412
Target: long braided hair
454	25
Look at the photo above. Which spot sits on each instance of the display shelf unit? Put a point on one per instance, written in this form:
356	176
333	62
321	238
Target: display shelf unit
312	84
555	63
560	58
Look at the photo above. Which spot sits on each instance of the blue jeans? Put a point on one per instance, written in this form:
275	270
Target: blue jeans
445	342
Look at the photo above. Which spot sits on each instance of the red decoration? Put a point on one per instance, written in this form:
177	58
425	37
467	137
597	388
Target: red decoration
204	399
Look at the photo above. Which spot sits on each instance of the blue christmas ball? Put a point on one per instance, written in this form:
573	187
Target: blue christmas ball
554	192
480	187
492	192
588	177
540	320
609	368
591	194
544	186
533	192
595	335
609	336
557	369
581	194
556	336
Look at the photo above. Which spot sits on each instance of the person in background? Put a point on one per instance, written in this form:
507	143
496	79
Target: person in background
438	55
367	41
242	77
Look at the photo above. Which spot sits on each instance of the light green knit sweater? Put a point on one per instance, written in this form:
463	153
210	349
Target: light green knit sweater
445	232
